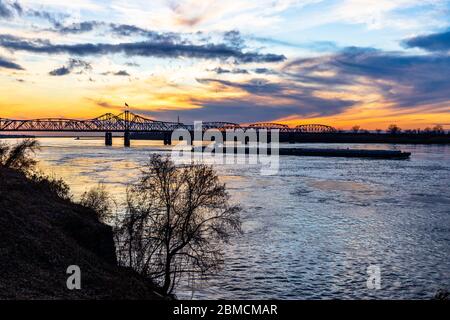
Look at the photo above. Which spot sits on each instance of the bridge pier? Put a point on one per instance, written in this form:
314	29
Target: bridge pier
126	139
108	139
291	138
167	138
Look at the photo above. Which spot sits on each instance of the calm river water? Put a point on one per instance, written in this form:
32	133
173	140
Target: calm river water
311	231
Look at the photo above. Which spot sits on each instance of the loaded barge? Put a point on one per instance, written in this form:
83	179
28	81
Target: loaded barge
349	153
318	152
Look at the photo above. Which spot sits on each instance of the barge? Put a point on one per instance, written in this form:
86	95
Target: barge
318	152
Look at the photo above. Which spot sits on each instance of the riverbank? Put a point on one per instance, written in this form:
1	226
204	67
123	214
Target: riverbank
42	234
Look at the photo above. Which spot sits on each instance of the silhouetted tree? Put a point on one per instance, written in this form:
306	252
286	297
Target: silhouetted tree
438	129
393	129
177	219
18	156
356	129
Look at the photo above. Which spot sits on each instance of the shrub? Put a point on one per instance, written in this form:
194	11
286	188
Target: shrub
56	185
99	200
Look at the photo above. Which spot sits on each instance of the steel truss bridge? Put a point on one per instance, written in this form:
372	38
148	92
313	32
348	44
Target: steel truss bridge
129	122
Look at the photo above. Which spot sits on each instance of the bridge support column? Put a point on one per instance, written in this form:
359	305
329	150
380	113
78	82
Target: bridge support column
108	139
291	138
126	139
168	138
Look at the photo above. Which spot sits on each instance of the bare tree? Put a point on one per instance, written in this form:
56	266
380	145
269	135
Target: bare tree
176	222
356	129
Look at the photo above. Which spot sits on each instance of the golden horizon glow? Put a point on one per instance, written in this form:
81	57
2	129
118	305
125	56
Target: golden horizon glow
65	104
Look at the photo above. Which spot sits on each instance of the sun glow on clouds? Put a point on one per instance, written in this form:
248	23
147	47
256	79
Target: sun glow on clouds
246	61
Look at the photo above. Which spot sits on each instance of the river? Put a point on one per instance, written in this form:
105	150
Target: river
312	230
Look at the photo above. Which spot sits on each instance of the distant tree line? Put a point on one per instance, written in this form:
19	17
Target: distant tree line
394	129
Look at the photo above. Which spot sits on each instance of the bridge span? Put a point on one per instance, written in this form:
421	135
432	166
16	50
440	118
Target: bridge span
128	122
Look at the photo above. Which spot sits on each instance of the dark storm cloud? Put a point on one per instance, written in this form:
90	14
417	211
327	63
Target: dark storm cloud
62	71
232	110
132	64
117	73
72	64
233	42
432	42
5	63
119	30
264	71
52	17
75	28
302	97
406	80
121	73
234	38
247	110
126	30
9	9
264	101
254	86
17	7
220	70
231	38
143	48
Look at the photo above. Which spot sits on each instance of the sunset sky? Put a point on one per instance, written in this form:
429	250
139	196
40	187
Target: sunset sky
342	63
